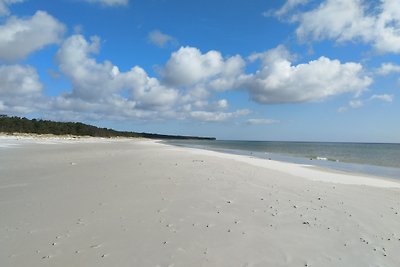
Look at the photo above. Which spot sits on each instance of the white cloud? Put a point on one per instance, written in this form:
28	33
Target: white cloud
388	68
4	4
203	103
109	2
191	79
209	116
103	83
231	75
278	81
352	20
189	66
356	104
261	121
20	37
114	107
90	79
189	82
222	104
160	39
384	97
19	88
19	80
101	90
147	91
353	104
335	19
196	95
289	6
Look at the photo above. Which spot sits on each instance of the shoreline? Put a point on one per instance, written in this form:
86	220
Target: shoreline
307	171
140	203
360	169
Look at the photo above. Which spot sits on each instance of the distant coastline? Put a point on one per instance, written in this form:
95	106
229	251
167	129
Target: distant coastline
20	125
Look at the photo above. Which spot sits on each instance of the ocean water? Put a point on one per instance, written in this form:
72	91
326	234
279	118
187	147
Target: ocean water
367	158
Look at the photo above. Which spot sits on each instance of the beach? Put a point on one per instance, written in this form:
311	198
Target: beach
135	202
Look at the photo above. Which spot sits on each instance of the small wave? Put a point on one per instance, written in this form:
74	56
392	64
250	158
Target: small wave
324	159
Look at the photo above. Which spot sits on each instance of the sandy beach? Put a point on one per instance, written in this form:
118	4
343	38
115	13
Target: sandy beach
121	202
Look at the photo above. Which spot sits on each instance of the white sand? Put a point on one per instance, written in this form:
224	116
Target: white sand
99	202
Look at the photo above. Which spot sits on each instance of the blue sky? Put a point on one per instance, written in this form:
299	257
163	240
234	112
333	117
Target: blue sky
258	70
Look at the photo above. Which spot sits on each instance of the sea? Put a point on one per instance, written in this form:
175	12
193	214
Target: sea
377	159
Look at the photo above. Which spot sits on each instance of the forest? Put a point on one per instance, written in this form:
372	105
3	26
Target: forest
14	124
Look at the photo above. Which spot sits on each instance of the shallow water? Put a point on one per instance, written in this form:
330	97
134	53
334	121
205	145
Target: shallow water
366	158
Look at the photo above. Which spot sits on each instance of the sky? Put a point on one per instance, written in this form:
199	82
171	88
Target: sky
294	70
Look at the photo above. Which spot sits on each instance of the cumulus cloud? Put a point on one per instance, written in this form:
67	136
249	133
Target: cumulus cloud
189	66
160	39
20	37
90	79
115	107
19	80
196	95
4	4
190	79
103	83
188	85
19	88
109	2
388	68
353	20
231	75
279	81
147	91
261	121
100	89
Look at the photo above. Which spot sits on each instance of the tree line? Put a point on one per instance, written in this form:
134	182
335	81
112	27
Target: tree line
38	126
